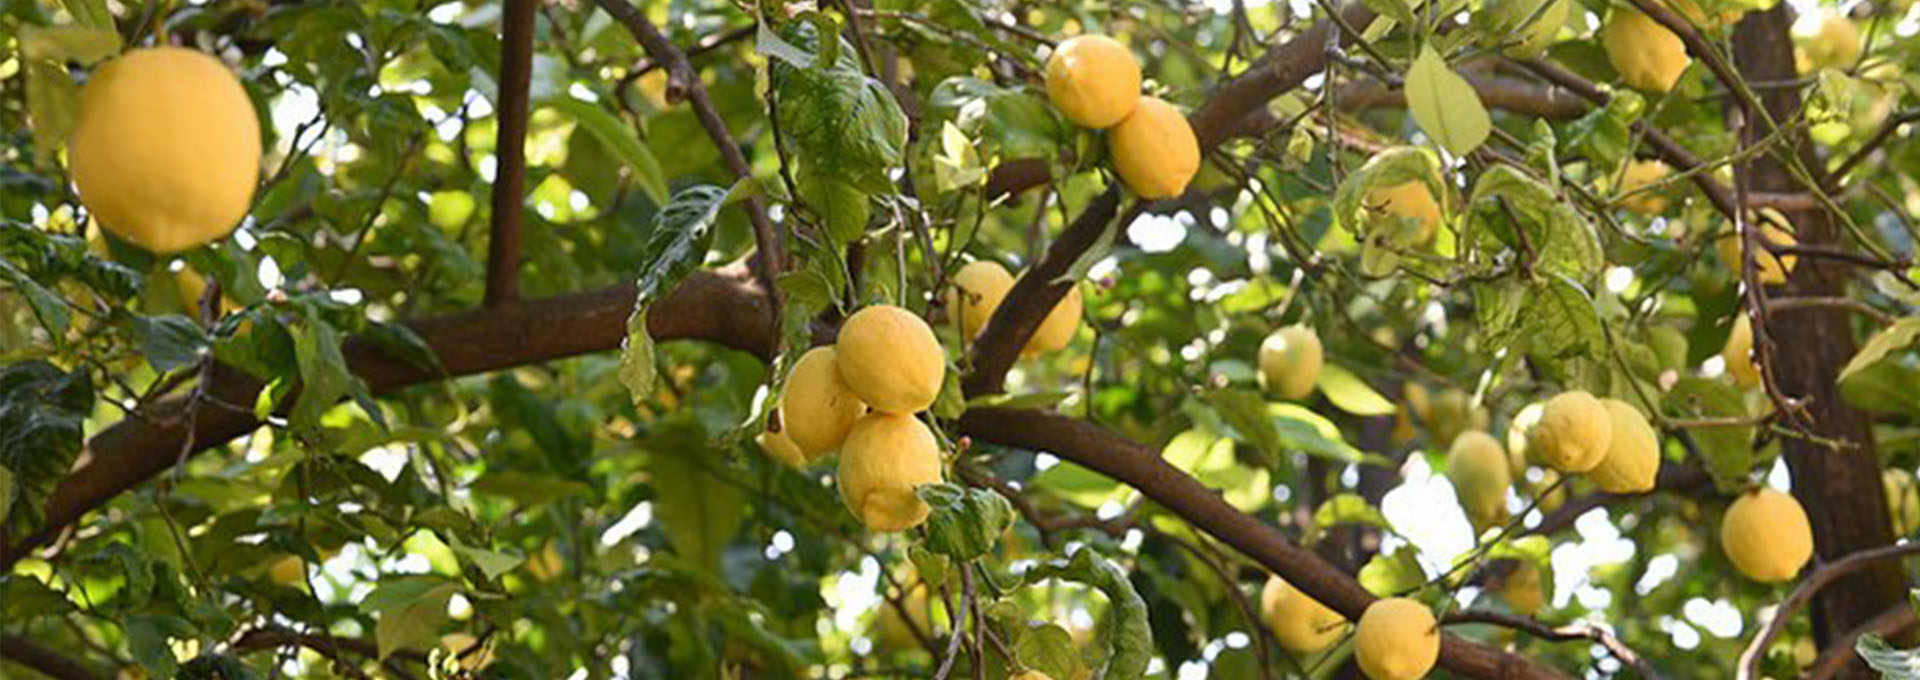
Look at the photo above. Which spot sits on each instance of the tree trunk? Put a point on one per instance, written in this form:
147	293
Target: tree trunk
1840	489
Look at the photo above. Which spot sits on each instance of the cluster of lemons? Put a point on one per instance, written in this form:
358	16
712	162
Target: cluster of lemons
1397	638
1095	82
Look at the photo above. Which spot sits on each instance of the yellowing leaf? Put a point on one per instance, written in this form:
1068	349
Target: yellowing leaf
1352	394
1446	105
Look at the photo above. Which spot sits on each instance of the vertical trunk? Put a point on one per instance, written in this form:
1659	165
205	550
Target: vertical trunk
1840	489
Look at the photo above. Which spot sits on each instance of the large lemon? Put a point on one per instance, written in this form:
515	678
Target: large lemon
1058	328
166	148
1772	270
890	359
1479	471
816	406
1633	456
1573	433
1397	640
1411	200
884	458
1301	623
1738	353
1766	535
1290	361
1154	150
1093	80
977	290
1647	55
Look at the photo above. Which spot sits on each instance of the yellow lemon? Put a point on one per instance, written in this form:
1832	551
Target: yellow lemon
546	565
1639	174
1058	328
1517	429
1453	413
1647	55
1093	80
890	359
1409	201
1478	469
1301	623
1398	639
1738	353
1523	591
1633	456
1031	675
1573	433
1836	45
780	447
1290	361
977	290
1154	150
884	458
817	408
288	571
1766	535
1772	270
1419	400
165	150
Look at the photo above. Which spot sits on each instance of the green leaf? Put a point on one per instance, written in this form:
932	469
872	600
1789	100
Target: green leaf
1394	573
61	44
1246	413
1898	335
53	101
1352	394
841	122
1885	386
770	44
965	522
951	403
842	207
48	308
1445	104
324	378
24	598
1047	648
1348	508
1128	638
619	138
91	13
413	623
1560	240
1726	451
42	412
169	341
491	563
527	489
1561	323
1893	664
681	233
699	511
147	636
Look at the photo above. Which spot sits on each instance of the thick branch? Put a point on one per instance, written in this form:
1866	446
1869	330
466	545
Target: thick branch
1142	468
1497	92
46	661
510	172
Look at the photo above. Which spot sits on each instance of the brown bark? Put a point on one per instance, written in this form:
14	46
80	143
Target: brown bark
1840	489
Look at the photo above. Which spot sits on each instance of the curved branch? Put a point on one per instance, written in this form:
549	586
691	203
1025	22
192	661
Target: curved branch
46	661
1141	467
1579	631
1822	576
1840	655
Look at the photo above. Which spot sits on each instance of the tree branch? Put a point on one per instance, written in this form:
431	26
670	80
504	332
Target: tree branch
1887	129
1672	477
1497	92
46	661
1840	654
1822	576
510	172
1579	631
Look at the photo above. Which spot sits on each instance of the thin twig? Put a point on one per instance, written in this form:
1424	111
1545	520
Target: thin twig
1822	575
1579	631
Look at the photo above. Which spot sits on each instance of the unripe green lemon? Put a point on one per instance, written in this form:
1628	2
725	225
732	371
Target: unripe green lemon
1290	361
1411	200
780	447
1058	328
1398	639
817	408
1771	270
1738	353
1154	150
1301	623
1573	433
1903	500
890	359
1633	456
1766	535
1523	591
885	457
1478	469
977	290
1647	55
1093	80
165	150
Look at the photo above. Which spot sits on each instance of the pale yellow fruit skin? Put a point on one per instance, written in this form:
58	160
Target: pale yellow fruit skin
1633	456
1550	501
1738	353
1771	270
1523	591
165	151
1477	466
817	408
1836	45
1647	55
780	447
1639	174
288	571
890	359
1453	413
1408	200
1766	535
1301	623
977	290
1061	324
1094	81
885	457
1517	429
1155	150
546	564
1290	361
1397	640
1573	433
1903	500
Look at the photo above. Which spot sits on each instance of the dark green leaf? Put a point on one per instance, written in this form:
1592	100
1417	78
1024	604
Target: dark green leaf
42	411
1128	638
619	138
681	233
170	341
965	522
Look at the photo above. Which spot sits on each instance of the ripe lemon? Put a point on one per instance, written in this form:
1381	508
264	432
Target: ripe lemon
1772	270
1903	500
1093	80
1766	535
1478	469
977	290
1453	413
1406	201
890	359
1517	429
816	406
1301	623
1639	174
1738	353
1647	55
1523	591
1058	328
1836	45
1633	456
1573	433
780	447
1290	361
884	458
288	571
1154	150
165	150
1397	640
